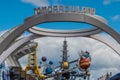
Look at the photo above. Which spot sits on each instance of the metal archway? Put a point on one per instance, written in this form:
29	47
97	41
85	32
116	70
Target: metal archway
94	20
23	41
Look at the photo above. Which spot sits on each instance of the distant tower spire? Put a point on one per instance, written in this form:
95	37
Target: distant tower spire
65	56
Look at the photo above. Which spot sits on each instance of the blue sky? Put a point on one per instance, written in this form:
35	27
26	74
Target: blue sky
13	12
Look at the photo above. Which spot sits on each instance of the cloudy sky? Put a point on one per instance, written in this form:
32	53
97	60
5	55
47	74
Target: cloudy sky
104	59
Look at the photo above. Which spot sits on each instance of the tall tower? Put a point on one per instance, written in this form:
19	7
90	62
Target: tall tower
65	55
65	64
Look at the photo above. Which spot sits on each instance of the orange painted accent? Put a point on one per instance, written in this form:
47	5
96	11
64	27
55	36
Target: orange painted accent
84	63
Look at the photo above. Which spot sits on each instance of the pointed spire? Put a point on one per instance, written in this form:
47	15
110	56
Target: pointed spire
65	50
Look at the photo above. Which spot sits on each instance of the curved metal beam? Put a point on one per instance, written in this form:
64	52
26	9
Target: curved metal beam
16	45
90	19
3	36
108	42
75	17
65	33
28	48
12	62
13	58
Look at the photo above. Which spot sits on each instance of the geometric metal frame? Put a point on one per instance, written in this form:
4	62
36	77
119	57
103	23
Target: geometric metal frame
51	17
94	20
25	40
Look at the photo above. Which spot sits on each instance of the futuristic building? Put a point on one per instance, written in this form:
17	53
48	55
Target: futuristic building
12	47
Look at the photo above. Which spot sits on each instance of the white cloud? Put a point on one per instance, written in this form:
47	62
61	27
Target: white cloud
116	17
41	3
107	2
37	2
103	58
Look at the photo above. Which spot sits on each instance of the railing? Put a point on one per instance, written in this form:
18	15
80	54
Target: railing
21	52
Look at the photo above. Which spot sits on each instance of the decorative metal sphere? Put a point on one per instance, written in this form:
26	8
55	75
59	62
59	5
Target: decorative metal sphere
48	70
84	63
40	62
43	58
65	65
50	62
